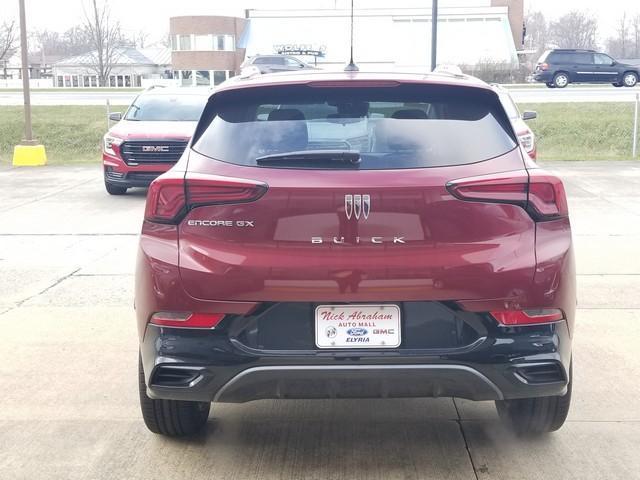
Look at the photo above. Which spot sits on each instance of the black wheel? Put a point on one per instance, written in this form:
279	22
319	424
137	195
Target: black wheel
538	415
630	79
560	80
550	85
115	189
173	418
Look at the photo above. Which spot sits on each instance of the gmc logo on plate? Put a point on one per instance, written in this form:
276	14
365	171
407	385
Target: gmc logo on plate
155	148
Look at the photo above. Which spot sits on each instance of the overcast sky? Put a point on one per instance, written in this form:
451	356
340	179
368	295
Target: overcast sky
153	15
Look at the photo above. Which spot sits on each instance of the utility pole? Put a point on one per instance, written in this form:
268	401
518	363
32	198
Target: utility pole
434	33
28	152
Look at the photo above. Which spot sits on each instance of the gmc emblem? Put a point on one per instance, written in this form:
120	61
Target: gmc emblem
155	148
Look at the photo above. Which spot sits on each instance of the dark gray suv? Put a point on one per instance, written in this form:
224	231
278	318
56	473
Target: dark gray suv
276	63
560	67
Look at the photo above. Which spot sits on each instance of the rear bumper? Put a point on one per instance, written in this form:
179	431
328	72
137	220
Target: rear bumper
207	366
543	76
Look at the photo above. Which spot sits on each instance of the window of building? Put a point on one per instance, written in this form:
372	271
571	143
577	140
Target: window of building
127	80
138	79
112	80
224	42
74	78
202	42
94	81
174	42
231	73
186	77
184	42
60	81
219	76
85	81
203	77
120	81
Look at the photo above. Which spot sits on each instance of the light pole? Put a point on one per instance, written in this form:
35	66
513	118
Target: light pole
434	33
29	152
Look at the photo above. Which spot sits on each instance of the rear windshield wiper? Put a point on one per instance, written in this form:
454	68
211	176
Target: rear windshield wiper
311	158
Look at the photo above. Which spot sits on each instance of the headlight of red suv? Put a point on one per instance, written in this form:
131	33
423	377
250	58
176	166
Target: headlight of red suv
527	141
109	142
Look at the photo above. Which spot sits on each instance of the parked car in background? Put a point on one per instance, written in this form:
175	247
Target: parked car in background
275	63
525	135
150	137
560	67
350	235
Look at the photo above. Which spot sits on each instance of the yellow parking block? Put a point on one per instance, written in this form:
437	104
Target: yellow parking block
29	155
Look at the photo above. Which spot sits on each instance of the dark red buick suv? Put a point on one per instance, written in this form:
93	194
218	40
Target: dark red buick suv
355	235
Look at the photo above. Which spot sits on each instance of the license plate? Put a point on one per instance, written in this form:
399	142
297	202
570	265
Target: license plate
357	326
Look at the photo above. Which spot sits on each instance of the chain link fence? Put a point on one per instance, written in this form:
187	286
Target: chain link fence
584	131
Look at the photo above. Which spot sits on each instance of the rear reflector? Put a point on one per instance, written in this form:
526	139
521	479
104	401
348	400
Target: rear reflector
170	197
541	194
187	319
527	317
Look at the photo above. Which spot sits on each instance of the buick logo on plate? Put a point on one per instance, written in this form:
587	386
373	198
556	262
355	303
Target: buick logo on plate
357	206
155	148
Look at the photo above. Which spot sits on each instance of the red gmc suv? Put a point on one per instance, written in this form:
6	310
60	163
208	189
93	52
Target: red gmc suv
150	137
336	235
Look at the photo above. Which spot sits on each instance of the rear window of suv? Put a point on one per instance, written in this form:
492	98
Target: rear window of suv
406	126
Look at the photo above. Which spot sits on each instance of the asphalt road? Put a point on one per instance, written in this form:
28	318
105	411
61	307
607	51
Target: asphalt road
528	94
68	358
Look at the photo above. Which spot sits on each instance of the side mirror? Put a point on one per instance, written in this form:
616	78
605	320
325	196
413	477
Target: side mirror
115	116
301	65
529	115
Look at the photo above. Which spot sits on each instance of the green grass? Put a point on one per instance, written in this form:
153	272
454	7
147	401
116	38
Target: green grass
564	131
582	131
70	134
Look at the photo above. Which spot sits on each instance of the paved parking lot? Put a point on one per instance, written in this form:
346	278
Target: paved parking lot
68	358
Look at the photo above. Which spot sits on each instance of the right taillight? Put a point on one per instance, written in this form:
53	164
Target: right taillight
171	196
540	193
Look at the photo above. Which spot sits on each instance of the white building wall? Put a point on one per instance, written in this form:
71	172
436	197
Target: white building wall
388	37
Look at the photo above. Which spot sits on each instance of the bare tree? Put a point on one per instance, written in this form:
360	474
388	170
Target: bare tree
635	24
574	30
8	40
140	39
622	32
537	37
105	37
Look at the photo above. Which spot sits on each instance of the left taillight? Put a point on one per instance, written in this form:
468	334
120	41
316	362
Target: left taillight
540	193
186	319
171	196
527	317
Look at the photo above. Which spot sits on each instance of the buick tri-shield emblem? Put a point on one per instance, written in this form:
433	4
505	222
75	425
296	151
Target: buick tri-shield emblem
357	206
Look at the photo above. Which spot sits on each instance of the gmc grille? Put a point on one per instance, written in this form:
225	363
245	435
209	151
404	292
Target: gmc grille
134	152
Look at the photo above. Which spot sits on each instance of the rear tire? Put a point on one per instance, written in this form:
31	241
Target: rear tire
535	416
560	80
173	418
114	189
